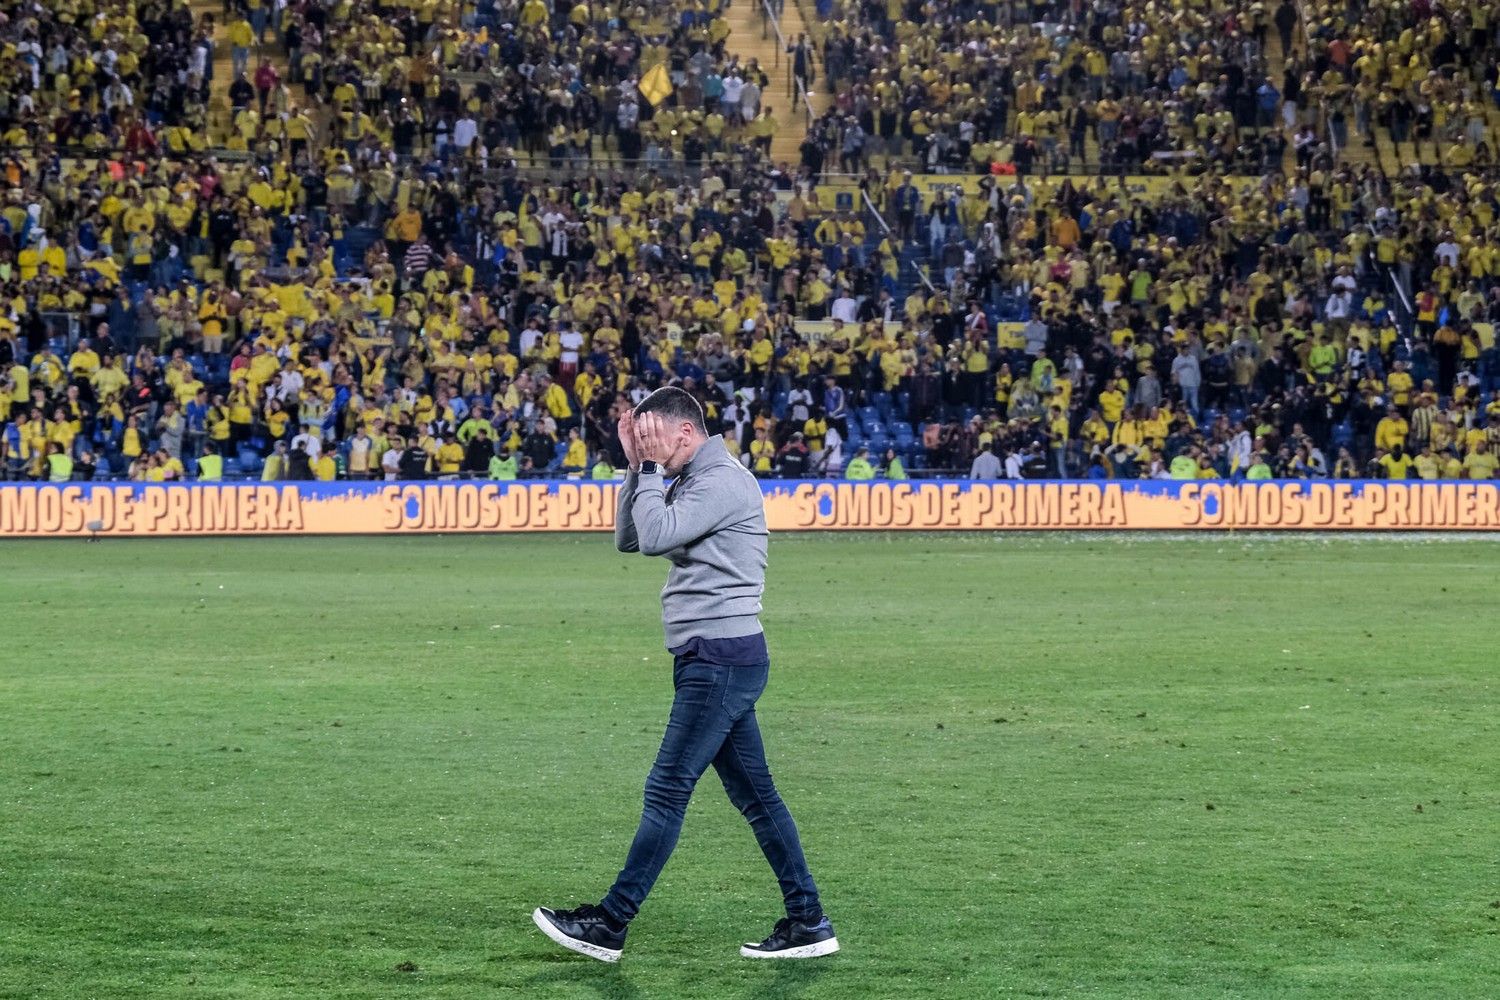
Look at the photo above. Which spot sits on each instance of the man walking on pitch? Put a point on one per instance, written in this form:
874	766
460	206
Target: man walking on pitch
711	525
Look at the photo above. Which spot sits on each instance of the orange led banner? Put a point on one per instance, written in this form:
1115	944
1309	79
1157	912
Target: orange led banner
1153	504
42	510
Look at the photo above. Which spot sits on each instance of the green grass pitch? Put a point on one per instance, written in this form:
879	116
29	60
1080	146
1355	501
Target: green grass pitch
1023	766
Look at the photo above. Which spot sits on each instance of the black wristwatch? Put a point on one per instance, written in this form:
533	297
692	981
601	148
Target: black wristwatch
649	468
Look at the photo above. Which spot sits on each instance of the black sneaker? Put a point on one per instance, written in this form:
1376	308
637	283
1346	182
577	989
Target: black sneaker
587	930
794	939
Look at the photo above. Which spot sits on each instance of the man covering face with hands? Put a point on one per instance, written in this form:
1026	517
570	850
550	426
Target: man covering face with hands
710	524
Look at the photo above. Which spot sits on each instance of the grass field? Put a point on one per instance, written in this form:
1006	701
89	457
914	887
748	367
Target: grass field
1023	766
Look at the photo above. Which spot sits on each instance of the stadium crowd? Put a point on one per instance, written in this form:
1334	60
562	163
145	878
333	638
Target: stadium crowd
1131	86
404	254
1415	69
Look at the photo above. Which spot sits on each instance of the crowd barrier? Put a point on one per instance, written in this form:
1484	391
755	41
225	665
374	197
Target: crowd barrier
62	510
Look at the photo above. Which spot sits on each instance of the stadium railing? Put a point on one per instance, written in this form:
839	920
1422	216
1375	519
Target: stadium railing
875	213
795	87
770	22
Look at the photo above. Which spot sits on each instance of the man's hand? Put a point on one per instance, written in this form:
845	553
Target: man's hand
652	442
627	432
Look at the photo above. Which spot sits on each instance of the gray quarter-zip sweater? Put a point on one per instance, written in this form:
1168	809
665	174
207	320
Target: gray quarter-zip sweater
711	525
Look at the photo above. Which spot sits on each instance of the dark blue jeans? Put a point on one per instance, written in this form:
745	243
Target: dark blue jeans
713	722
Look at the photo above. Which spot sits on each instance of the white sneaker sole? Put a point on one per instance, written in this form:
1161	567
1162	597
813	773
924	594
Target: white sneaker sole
548	928
816	950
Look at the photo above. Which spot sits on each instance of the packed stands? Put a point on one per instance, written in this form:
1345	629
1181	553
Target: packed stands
455	241
1130	87
1412	82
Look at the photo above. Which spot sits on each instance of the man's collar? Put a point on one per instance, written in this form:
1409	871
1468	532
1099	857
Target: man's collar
700	459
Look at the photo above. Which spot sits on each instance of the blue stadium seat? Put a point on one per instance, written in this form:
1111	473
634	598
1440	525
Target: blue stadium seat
900	430
1010	309
874	428
232	468
903	404
883	405
869	415
250	461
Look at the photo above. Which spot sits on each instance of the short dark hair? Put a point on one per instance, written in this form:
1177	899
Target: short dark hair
674	404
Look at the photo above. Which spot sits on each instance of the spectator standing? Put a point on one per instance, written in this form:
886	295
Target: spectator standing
986	465
171	428
859	467
1188	377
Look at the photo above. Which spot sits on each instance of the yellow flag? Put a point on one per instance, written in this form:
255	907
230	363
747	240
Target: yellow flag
656	85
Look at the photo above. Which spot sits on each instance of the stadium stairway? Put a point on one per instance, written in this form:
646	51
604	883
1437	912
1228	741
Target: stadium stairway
752	37
219	119
1382	154
1356	153
1275	71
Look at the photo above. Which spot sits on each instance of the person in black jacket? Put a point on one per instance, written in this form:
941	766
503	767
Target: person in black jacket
83	469
240	93
479	452
538	448
1286	19
792	462
414	460
223	227
298	467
